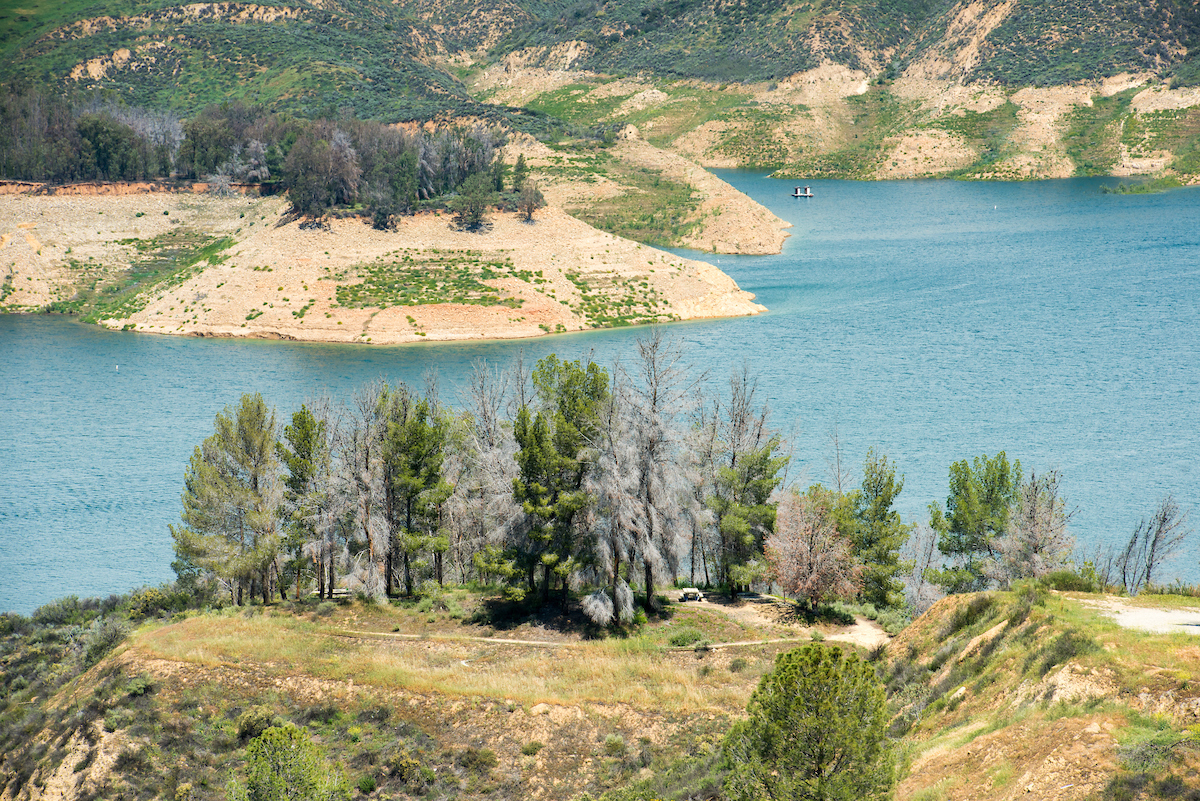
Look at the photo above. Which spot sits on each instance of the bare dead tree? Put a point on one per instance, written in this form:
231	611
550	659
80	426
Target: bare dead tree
920	554
655	406
1152	544
482	468
363	455
612	483
1036	541
838	473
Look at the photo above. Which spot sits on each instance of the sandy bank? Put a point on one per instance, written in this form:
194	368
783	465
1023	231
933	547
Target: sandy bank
346	282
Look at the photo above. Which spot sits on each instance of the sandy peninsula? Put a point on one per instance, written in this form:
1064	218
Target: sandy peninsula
270	276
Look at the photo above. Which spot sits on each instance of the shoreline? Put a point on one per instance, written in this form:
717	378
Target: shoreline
258	274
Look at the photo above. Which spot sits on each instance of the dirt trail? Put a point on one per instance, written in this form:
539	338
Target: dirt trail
1148	618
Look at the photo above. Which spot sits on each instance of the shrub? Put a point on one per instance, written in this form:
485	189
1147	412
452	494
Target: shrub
532	748
366	784
326	608
614	745
686	636
477	760
154	601
253	722
737	665
1069	581
139	686
103	636
60	613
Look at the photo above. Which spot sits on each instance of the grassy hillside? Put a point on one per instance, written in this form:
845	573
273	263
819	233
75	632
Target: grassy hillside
373	58
454	695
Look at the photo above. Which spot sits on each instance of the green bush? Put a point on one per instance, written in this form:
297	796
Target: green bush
154	601
102	637
139	686
253	722
532	748
614	745
477	760
686	636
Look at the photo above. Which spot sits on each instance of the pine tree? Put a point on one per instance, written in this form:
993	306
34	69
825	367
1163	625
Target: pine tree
816	731
231	501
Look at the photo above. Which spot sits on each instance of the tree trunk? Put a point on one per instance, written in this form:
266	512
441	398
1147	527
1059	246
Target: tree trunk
437	565
332	577
545	584
616	576
649	575
389	566
319	563
408	587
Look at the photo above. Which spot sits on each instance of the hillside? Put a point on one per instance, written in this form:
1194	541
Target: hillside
1008	89
995	696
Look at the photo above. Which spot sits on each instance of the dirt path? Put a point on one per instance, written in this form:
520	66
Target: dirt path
1148	618
764	611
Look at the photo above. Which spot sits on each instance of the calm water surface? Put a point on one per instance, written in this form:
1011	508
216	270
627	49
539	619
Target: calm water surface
932	320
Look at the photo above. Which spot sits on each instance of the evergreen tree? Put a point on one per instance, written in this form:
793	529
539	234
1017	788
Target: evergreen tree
470	206
306	445
520	173
552	462
231	501
816	731
879	535
415	486
982	495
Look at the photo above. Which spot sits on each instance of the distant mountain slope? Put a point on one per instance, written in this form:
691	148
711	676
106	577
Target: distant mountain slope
399	60
373	58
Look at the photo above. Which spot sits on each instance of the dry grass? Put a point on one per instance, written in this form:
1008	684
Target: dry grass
449	659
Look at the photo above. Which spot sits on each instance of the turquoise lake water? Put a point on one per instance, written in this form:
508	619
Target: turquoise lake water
932	320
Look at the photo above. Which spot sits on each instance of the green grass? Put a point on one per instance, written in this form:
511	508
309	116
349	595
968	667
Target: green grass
653	209
1094	133
875	115
156	265
417	278
615	302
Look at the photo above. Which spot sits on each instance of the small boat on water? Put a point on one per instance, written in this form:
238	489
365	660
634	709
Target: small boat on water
806	193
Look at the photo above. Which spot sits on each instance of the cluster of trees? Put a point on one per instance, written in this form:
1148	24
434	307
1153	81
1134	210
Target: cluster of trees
45	138
564	478
387	170
575	478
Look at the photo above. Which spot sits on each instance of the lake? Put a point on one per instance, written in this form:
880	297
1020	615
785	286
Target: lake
931	320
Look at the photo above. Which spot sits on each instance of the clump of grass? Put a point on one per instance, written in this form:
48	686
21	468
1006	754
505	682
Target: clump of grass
477	760
686	636
614	745
532	747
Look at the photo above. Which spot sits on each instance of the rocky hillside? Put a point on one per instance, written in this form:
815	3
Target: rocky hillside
1002	89
993	696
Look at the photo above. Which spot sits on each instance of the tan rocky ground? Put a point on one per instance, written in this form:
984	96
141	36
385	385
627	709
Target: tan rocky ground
280	280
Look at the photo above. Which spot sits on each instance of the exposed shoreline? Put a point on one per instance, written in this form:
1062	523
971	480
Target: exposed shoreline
278	280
